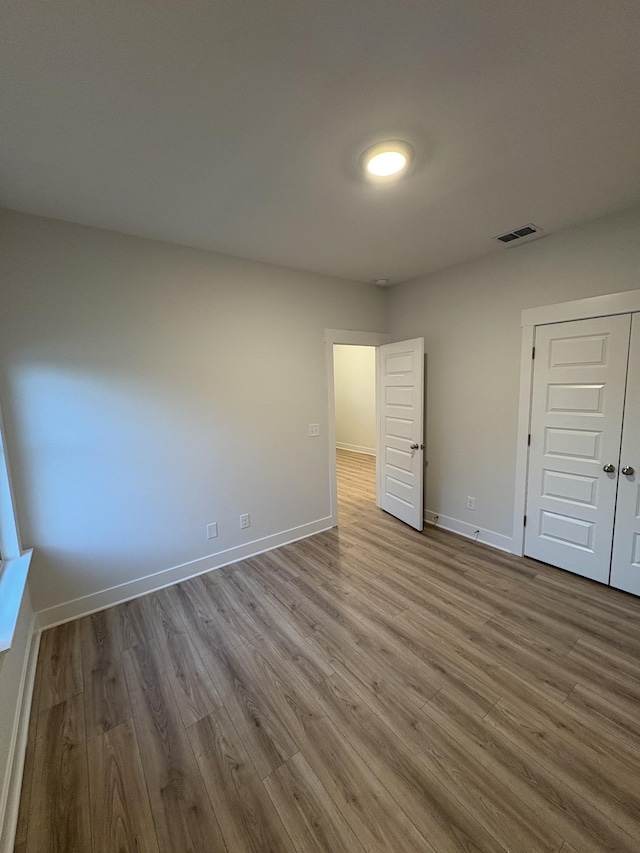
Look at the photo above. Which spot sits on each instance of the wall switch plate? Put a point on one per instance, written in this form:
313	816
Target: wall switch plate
245	521
471	503
212	530
314	429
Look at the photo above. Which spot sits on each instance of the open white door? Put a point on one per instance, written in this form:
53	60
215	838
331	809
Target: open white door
401	400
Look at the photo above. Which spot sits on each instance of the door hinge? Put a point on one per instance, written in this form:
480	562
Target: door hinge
529	440
525	521
533	352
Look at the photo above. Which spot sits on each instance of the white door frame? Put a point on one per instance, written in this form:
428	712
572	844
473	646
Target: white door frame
627	302
359	339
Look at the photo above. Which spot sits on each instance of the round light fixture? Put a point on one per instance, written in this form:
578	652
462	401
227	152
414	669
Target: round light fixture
387	159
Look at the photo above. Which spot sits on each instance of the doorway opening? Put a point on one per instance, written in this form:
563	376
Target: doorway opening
355	430
399	419
373	340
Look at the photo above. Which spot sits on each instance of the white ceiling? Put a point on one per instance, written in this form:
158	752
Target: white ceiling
236	125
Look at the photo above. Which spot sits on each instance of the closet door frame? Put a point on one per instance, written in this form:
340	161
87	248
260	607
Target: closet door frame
627	302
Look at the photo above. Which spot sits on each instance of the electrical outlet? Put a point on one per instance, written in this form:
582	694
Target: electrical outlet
245	521
471	503
212	530
314	429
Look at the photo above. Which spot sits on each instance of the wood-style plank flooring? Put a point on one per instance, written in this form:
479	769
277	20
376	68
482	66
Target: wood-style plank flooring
356	479
368	689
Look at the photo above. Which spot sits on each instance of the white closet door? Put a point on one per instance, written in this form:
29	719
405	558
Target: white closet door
576	424
625	564
401	395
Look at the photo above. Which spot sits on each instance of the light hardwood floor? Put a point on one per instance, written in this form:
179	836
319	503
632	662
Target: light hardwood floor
356	479
369	689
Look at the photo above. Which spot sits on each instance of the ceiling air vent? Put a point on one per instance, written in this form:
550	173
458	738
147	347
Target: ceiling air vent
518	233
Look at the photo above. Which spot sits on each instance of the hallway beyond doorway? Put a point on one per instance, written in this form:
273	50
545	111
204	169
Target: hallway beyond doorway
356	476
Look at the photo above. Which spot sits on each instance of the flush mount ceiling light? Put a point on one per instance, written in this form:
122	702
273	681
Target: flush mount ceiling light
387	159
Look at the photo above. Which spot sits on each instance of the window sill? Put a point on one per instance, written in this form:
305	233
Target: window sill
13	579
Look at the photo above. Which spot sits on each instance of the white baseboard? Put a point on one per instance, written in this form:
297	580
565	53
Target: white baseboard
66	612
487	537
18	748
356	448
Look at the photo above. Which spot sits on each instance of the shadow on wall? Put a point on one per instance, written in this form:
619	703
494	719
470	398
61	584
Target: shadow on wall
105	476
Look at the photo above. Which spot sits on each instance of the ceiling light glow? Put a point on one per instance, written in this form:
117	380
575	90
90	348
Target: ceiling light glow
387	159
387	163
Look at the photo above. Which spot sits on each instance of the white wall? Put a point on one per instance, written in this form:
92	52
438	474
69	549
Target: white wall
355	390
13	668
469	316
149	389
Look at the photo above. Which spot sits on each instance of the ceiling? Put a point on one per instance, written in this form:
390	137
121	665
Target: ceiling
236	125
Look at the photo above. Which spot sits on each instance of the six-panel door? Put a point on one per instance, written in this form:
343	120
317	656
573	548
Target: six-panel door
401	395
576	424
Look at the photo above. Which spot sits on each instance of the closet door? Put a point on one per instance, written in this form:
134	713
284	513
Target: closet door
576	425
625	564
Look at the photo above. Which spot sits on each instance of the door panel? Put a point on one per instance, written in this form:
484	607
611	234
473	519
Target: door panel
576	424
569	487
625	564
401	395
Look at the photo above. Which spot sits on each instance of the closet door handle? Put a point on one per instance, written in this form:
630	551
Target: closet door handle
628	470
609	469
